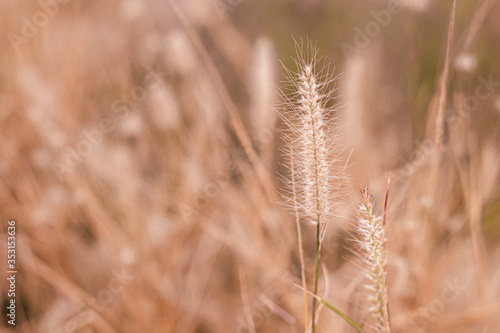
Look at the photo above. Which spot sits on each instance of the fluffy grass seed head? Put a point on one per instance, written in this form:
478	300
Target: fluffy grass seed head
311	137
371	244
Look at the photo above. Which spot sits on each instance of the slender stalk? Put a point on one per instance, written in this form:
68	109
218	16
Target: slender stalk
316	275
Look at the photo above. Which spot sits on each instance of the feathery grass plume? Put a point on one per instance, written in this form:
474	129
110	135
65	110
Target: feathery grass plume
311	141
372	247
311	135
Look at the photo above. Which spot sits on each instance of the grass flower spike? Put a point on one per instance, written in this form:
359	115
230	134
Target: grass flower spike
372	245
312	138
311	141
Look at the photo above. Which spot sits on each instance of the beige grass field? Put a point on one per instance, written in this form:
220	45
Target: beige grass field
148	156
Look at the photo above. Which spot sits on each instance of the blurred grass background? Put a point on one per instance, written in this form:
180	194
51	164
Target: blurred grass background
139	208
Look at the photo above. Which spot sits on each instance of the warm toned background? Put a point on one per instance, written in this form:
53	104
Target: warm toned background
140	154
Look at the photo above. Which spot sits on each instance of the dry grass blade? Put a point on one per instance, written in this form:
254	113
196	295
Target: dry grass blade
442	92
234	117
439	129
337	311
